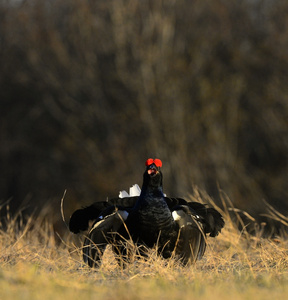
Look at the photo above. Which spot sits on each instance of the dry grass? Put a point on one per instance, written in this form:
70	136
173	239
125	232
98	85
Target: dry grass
238	266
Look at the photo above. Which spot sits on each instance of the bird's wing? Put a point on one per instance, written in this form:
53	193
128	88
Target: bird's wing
101	233
110	222
79	220
212	220
191	243
172	202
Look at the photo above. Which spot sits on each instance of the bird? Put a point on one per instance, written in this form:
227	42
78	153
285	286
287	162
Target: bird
146	218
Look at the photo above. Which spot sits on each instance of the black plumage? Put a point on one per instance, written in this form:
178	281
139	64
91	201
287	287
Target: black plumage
151	219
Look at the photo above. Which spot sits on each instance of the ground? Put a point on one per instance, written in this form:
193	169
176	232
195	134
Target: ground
35	265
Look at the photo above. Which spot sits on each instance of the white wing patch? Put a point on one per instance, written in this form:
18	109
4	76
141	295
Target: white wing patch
123	214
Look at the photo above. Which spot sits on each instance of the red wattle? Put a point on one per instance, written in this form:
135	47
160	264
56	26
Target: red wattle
156	161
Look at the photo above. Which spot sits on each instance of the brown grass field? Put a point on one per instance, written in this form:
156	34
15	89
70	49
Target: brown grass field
34	265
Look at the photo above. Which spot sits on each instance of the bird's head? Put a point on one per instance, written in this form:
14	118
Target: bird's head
152	174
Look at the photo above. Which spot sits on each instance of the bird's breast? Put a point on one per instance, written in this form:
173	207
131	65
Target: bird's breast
155	215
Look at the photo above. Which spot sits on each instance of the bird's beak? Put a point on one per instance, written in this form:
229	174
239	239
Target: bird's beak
152	170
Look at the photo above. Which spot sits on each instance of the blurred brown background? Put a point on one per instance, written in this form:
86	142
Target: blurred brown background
90	89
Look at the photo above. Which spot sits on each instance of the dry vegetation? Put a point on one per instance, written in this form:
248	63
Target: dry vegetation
34	265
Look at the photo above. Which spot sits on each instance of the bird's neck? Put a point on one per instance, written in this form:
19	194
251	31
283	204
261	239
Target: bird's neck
151	191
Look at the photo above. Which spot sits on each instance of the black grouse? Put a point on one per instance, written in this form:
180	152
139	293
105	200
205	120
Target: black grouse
173	225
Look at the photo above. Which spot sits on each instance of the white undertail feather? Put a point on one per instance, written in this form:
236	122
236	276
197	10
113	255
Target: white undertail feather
123	194
133	191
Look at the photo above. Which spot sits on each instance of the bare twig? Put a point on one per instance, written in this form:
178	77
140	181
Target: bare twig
62	210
